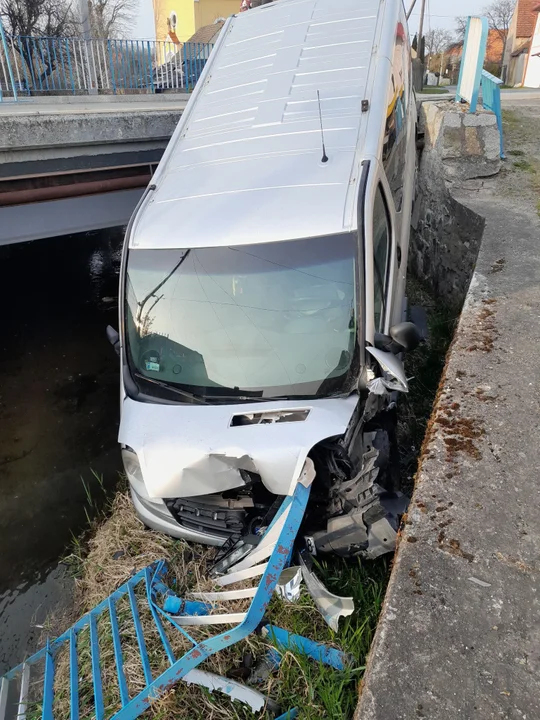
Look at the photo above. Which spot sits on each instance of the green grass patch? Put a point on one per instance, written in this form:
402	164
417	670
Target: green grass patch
433	91
525	165
510	117
516	153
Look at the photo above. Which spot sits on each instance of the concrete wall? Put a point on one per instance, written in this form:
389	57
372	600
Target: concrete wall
27	138
459	148
78	144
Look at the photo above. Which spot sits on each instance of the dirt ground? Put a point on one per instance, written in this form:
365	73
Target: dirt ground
520	174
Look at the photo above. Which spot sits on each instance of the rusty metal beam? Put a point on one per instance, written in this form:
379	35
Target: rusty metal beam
60	192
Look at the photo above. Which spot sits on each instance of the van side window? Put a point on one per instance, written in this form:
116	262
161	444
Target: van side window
381	257
395	139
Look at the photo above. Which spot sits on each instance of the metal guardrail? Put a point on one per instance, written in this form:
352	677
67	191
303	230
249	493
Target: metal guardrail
29	689
491	100
31	65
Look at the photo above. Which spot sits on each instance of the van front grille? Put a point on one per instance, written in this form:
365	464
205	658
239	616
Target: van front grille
210	514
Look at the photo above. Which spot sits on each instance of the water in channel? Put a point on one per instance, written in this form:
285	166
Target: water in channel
59	405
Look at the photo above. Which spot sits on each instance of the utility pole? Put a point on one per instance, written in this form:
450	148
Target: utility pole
421	27
418	64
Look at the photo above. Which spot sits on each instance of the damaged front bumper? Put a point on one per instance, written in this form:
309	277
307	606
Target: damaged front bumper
215	474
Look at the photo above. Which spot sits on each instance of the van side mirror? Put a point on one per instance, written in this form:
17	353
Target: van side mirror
114	338
407	335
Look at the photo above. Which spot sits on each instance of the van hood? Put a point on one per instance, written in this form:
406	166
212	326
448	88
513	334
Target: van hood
187	450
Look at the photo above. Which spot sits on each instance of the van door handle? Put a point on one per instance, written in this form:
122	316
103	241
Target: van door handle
399	256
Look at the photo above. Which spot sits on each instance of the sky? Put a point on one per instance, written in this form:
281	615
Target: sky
144	28
438	14
441	13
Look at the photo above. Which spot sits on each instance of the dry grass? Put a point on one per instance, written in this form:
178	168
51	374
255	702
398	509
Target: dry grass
121	545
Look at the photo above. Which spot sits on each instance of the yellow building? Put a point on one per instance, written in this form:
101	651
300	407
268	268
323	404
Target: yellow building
178	20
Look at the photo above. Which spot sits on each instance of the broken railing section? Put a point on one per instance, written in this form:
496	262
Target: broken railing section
266	561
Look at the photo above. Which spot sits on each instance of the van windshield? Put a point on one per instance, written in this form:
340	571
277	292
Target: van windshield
262	320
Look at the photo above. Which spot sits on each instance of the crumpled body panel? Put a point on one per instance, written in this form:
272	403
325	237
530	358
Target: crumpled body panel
187	450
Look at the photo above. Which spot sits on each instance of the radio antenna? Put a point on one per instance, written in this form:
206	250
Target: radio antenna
324	155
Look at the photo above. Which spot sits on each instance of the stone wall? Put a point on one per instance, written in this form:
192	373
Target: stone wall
459	148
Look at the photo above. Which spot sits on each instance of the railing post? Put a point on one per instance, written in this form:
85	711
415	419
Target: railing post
66	44
491	100
10	69
113	81
150	67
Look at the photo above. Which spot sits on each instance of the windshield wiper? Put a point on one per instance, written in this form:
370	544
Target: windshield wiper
166	386
243	398
278	398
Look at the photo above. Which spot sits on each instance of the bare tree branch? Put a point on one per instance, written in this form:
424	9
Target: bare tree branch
499	15
461	26
437	40
111	18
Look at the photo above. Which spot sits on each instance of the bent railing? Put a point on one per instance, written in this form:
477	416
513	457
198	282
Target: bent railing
491	100
31	65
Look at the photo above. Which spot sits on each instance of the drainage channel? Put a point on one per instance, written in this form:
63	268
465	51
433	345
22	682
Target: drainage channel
59	414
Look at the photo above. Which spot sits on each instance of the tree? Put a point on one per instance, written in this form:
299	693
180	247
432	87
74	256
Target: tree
437	40
111	18
45	18
499	15
41	18
461	26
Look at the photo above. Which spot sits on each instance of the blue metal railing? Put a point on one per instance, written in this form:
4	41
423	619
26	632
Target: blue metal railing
491	100
148	591
65	65
6	63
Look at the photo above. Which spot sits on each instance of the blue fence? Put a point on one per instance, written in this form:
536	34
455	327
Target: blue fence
491	100
32	65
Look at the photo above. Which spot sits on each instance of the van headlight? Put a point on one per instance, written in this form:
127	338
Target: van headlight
132	466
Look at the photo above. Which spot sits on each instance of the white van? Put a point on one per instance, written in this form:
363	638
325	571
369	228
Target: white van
263	282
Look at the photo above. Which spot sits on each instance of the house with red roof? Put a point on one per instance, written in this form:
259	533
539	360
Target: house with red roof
518	46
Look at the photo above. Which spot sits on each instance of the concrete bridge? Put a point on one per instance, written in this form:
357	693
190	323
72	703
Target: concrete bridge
70	165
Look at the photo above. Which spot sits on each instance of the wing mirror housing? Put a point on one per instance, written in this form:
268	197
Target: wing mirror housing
404	336
114	338
407	335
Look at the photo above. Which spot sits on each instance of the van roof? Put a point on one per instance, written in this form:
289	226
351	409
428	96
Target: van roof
245	166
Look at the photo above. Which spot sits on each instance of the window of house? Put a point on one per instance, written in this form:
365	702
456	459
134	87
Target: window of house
381	257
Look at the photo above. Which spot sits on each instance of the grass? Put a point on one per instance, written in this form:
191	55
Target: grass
433	91
522	131
525	165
